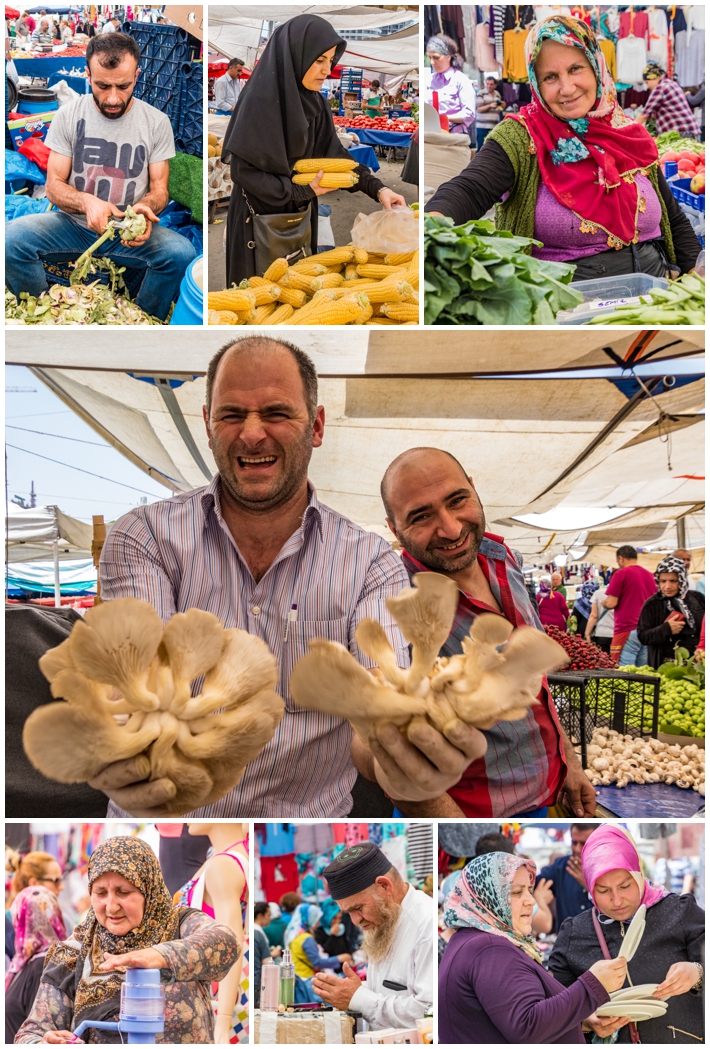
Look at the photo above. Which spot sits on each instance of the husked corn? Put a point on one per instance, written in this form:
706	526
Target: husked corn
401	311
335	256
310	267
328	280
302	316
262	313
227	317
330	180
232	299
378	272
389	291
397	260
213	316
412	277
280	315
326	164
276	270
380	320
351	271
256	282
366	313
293	297
295	279
266	294
342	312
360	255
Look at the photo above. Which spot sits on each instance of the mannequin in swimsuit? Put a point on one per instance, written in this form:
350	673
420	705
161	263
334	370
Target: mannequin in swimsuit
225	883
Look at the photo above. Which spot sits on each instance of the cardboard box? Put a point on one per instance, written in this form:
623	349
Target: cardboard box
187	17
30	125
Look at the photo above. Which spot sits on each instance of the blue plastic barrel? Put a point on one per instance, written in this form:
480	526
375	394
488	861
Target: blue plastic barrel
36	100
189	307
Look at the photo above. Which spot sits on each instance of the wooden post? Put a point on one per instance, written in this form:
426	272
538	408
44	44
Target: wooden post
96	547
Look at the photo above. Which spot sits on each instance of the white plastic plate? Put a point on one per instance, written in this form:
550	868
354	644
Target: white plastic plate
643	990
634	1011
634	934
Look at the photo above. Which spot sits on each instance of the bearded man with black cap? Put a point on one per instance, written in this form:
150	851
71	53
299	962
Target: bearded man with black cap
397	923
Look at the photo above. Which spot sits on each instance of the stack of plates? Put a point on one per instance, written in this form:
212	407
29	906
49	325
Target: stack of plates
636	1003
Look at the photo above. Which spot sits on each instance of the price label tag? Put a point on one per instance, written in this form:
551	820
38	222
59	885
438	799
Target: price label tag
605	304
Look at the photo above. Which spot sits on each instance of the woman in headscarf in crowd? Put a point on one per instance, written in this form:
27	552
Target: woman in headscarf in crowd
335	932
37	923
667	104
576	173
131	923
673	616
670	952
455	94
493	987
38	868
307	957
583	605
281	117
551	605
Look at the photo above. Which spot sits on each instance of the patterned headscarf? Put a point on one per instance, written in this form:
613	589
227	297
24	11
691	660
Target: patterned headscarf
305	917
584	602
588	163
480	899
677	603
83	953
329	908
38	923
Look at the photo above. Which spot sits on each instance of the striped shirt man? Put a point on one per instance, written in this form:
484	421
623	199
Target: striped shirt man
524	766
179	554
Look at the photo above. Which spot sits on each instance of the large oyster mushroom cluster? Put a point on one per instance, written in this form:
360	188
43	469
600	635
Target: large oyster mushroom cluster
496	678
201	744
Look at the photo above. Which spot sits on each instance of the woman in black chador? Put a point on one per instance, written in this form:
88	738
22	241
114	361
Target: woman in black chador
281	117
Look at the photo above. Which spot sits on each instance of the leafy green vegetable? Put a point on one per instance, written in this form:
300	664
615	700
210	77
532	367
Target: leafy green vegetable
132	226
675	141
474	274
682	303
84	304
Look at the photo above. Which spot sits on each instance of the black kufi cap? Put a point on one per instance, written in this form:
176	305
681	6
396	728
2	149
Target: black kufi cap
355	869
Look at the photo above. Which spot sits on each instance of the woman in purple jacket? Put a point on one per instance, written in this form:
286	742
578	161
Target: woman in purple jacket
492	985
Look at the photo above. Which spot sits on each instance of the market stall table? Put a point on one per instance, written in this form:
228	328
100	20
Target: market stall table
369	136
365	155
647	800
45	67
313	1028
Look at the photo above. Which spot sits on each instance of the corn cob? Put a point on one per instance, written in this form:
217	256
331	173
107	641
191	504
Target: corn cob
303	315
380	320
280	315
335	269
351	271
401	311
295	279
309	267
276	270
266	294
326	164
292	297
213	317
415	260
389	291
227	317
328	280
262	313
330	180
335	256
412	277
397	260
256	282
376	272
232	299
343	312
360	255
366	313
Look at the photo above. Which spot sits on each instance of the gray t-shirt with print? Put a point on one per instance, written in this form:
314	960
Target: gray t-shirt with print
110	158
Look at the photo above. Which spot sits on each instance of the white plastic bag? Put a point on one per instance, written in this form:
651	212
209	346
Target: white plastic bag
64	93
395	231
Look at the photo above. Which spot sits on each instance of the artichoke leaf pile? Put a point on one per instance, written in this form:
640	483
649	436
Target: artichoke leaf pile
495	678
125	682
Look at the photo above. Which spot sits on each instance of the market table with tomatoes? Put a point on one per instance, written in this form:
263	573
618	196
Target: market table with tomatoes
44	65
379	131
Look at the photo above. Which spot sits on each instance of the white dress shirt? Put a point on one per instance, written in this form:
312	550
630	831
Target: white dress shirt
226	91
409	962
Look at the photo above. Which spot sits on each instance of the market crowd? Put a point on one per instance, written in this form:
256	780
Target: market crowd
499	981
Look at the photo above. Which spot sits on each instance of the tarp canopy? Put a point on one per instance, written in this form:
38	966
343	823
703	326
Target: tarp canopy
75	577
236	31
360	351
30	534
517	437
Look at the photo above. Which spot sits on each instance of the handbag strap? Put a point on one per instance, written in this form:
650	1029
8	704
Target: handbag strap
633	1029
253	213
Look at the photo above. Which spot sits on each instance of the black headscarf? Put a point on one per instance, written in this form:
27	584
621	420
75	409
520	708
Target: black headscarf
269	126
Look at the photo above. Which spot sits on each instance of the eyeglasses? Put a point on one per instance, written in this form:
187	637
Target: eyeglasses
54	881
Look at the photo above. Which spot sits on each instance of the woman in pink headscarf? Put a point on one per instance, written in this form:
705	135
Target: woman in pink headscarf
38	924
669	954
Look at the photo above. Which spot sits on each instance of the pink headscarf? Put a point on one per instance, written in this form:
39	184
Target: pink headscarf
612	848
38	924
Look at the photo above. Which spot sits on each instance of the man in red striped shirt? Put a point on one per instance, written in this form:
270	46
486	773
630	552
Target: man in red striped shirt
433	509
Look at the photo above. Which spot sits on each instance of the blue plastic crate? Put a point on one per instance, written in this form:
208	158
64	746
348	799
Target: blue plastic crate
681	192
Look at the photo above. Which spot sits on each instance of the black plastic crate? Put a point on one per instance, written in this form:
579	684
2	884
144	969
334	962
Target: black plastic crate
586	700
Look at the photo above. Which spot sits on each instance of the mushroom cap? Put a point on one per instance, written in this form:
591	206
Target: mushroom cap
245	667
194	641
372	639
116	641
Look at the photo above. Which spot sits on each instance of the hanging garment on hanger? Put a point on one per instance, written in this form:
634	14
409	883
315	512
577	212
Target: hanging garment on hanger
515	67
696	17
678	18
499	28
452	24
609	51
690	57
485	51
630	59
658	36
543	11
633	23
518	14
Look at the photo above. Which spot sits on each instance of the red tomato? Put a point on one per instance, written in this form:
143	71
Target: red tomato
670	155
687	155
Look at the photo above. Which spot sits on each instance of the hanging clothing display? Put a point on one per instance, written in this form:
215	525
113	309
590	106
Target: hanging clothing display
395	849
634	23
420	838
515	67
355	833
452	25
609	51
374	833
658	37
279	874
630	59
313	838
690	57
485	51
498	12
543	11
518	15
432	22
609	24
279	840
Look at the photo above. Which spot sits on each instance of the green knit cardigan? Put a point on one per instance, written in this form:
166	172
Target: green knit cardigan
517	214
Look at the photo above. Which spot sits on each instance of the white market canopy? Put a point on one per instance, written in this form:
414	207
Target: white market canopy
32	533
236	32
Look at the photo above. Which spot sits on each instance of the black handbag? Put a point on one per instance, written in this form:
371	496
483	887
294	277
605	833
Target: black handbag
284	236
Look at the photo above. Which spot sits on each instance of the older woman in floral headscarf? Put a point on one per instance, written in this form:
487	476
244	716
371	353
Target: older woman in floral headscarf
574	172
669	955
492	985
673	616
131	923
37	922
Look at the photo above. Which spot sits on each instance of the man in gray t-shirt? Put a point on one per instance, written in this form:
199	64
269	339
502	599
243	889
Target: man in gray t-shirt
107	150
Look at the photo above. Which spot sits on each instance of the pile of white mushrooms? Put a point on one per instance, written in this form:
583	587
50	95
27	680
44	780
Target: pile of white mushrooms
616	759
127	681
495	679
